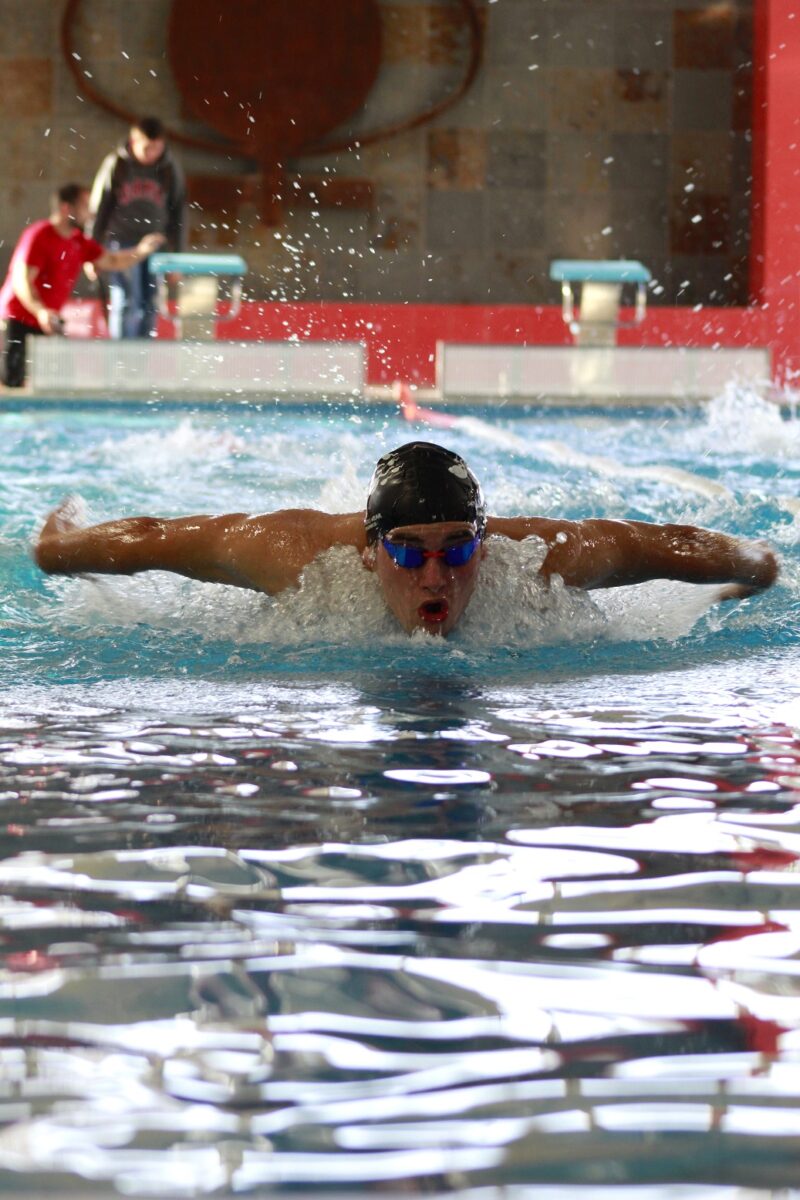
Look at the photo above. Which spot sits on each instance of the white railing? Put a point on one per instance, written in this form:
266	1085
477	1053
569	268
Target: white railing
609	374
153	369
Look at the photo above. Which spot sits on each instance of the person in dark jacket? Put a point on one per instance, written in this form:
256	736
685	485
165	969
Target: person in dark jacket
138	189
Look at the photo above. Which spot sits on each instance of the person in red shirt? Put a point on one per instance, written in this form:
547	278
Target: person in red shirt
43	269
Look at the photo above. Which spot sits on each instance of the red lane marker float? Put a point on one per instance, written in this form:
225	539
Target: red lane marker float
411	411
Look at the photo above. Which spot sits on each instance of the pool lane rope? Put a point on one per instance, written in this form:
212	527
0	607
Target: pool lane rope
560	452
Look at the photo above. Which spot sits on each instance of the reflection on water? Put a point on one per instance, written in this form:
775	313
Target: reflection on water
450	941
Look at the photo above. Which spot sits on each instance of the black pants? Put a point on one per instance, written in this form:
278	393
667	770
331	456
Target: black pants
13	370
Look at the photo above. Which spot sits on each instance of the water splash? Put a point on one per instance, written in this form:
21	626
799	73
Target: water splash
742	422
338	601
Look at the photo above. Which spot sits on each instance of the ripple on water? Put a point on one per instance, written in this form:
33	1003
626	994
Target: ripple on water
462	948
513	914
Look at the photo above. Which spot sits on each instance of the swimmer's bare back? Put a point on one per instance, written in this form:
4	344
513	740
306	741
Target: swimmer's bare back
265	553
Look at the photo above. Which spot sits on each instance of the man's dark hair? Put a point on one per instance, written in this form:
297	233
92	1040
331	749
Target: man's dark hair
151	127
68	193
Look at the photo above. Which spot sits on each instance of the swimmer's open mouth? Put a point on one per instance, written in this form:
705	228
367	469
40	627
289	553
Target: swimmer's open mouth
433	612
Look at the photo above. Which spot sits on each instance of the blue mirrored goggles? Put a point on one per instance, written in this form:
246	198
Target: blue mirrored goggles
457	555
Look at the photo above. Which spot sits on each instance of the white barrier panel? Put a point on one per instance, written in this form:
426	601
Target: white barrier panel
211	370
607	373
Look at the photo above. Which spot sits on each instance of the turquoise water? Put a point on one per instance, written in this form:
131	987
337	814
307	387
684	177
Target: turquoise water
292	903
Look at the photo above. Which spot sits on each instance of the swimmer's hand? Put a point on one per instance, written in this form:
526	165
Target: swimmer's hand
757	568
737	591
67	517
70	514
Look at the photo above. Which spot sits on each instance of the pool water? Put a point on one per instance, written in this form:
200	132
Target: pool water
291	903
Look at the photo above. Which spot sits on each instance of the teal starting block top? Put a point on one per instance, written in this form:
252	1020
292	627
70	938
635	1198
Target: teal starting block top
586	270
197	264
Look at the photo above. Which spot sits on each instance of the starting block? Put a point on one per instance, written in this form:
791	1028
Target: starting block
199	290
595	319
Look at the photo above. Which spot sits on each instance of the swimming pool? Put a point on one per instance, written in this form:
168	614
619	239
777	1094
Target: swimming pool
289	901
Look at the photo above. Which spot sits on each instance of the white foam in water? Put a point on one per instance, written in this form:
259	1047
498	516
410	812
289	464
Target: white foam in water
215	469
345	493
339	601
156	450
740	421
659	609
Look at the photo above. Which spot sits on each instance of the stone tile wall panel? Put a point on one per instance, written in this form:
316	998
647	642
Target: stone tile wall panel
586	125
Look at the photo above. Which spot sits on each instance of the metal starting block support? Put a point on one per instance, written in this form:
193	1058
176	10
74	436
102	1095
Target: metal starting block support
597	319
198	290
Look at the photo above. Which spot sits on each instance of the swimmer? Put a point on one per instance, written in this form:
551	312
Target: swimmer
423	533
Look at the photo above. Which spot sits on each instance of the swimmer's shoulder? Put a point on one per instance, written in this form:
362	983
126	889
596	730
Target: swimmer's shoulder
565	540
311	526
271	550
319	531
341	529
517	528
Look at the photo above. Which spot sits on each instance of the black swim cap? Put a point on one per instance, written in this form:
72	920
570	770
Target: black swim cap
420	484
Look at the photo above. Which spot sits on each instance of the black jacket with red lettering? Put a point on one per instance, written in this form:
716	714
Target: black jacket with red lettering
130	199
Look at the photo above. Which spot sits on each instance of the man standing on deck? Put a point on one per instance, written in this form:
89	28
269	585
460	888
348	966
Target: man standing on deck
423	533
138	189
44	266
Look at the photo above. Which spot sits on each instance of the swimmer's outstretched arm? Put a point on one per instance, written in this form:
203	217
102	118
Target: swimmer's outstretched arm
602	553
265	553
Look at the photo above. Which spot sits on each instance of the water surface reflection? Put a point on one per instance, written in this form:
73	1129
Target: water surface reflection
457	938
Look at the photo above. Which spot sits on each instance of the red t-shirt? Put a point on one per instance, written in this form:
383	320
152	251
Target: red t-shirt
59	260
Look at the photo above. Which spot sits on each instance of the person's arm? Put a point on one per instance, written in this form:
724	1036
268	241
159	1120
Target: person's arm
23	281
102	199
602	553
101	206
176	205
120	260
265	553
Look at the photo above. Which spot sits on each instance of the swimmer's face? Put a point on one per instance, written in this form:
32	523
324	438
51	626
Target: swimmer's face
434	595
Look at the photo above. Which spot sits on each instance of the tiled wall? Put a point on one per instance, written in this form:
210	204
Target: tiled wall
595	128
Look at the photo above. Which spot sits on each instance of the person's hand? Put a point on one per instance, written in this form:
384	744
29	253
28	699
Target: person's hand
49	320
90	272
150	243
68	515
736	591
